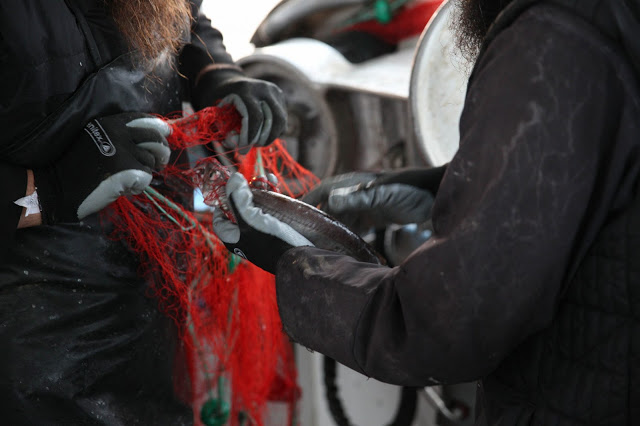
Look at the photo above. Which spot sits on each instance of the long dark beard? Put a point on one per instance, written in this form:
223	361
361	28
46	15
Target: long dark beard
474	19
153	28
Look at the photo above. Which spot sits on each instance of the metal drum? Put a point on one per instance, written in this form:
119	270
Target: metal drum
437	88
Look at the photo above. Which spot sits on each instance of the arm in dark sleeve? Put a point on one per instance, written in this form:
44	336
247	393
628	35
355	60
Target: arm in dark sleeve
509	211
14	184
206	47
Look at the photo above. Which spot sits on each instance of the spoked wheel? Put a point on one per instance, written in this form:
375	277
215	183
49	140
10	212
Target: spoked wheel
405	412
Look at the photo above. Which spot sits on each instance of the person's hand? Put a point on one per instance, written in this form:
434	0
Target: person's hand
112	156
363	199
258	237
260	103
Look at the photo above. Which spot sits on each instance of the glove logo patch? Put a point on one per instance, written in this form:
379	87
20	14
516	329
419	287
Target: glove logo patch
100	138
239	253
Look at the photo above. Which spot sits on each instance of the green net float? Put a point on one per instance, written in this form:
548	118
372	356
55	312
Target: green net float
383	11
215	412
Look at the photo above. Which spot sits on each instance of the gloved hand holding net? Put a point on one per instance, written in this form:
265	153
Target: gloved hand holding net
112	156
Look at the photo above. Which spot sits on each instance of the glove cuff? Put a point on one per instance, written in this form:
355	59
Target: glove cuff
208	79
222	70
423	178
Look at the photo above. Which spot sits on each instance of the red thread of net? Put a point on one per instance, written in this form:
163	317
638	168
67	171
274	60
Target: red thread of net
228	317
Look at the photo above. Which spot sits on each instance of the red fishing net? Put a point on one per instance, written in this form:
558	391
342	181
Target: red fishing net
238	360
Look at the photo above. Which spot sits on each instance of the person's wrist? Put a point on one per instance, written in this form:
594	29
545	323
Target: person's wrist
31	186
27	218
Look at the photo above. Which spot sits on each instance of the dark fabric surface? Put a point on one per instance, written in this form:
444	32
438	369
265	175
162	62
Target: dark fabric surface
82	340
206	46
583	368
14	186
549	156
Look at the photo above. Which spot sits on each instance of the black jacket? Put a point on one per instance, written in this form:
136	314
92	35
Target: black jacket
548	157
58	60
81	341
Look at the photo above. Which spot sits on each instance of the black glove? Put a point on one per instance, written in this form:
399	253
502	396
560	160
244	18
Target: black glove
260	103
363	199
258	237
112	156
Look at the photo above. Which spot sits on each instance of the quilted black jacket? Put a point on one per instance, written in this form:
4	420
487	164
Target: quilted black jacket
58	61
81	341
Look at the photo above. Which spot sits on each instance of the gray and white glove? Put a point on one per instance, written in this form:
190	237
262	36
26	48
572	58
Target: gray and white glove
260	103
258	237
242	141
112	156
363	199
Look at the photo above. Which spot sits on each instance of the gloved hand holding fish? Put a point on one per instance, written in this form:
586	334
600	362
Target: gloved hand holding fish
377	199
260	224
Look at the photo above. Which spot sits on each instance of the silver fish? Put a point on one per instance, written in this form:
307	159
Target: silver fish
321	229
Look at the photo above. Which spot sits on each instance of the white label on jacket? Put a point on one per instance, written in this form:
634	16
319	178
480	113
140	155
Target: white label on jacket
101	139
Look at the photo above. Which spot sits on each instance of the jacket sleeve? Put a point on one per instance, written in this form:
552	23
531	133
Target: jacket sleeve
14	185
206	47
510	213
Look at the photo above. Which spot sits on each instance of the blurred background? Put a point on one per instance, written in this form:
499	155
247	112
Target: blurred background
237	20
